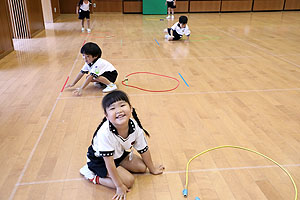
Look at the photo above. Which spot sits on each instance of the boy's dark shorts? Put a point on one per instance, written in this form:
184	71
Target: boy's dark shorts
171	5
111	76
97	164
175	34
84	14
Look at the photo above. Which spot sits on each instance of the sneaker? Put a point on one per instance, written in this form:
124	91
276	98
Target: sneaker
89	175
86	172
110	87
172	17
89	30
82	29
167	36
168	17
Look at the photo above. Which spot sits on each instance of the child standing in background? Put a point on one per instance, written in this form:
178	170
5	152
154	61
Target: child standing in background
83	9
110	158
171	5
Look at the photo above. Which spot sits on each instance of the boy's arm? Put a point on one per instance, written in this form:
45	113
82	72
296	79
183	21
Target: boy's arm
78	91
148	161
78	77
121	189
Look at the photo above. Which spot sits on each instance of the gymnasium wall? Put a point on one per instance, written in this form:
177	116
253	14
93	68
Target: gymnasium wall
6	45
35	16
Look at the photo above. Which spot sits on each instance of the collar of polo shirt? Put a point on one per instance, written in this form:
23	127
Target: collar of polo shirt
131	128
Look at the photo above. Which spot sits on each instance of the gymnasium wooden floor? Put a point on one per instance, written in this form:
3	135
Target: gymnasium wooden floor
242	73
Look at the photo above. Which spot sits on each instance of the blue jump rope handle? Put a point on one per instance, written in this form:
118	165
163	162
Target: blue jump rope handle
197	198
185	192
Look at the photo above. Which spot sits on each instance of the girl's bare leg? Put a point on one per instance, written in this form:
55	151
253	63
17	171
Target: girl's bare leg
136	165
126	177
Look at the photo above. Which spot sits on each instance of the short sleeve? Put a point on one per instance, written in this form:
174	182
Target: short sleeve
187	31
174	26
85	69
105	145
141	144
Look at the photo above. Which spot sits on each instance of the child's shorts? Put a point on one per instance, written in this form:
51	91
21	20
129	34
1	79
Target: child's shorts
97	164
111	76
175	34
171	4
84	14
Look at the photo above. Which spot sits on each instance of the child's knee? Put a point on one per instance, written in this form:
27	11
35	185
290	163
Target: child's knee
128	180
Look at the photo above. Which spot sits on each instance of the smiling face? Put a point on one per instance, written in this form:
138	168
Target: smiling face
118	113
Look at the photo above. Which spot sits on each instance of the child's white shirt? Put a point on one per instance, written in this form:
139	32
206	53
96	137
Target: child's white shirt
98	68
107	142
85	6
176	27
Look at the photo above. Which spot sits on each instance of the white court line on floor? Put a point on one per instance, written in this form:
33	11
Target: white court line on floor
188	93
259	47
168	172
39	138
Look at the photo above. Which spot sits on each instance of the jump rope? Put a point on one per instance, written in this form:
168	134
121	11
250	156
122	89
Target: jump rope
125	82
185	190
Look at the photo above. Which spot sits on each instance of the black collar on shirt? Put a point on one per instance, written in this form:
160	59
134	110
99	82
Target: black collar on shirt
131	128
90	64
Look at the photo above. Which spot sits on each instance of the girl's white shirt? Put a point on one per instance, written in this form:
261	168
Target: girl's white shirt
107	143
85	6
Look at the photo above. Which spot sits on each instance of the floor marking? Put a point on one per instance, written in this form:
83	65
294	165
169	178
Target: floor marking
166	172
64	85
156	42
191	93
39	138
183	80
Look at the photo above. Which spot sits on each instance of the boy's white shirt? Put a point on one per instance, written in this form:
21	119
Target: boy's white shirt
186	31
99	67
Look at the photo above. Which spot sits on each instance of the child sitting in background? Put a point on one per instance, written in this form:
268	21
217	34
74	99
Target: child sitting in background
178	29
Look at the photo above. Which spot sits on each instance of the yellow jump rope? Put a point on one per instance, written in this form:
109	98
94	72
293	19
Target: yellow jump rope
185	190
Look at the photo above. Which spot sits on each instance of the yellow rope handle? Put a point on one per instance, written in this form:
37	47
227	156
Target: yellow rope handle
237	147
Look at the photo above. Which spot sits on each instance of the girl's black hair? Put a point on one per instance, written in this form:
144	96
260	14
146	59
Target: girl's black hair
92	49
112	97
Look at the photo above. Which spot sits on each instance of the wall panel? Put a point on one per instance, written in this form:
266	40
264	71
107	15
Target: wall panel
108	6
35	16
205	5
6	45
55	9
132	6
263	5
182	6
68	6
236	5
292	5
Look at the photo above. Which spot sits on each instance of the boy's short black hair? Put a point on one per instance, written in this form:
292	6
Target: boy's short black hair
183	20
92	49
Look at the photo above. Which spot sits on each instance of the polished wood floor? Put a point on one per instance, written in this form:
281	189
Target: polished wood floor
242	73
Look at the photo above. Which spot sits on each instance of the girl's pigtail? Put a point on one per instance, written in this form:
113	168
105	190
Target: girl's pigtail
138	121
104	119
